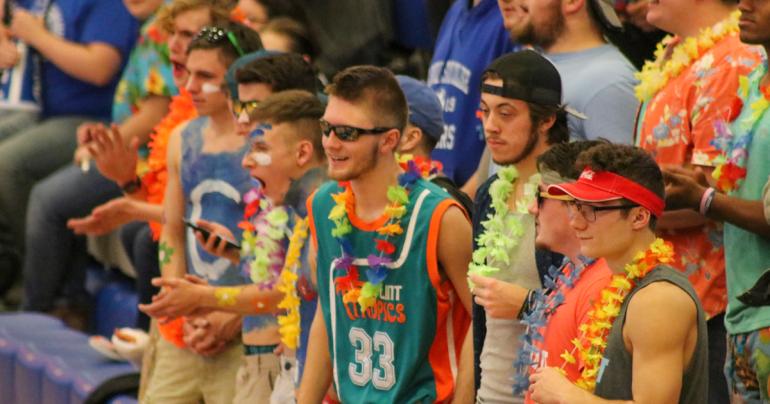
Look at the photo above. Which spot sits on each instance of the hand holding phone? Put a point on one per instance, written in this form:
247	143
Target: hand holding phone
206	234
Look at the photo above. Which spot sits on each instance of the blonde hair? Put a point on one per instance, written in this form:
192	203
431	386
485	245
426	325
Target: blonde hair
219	12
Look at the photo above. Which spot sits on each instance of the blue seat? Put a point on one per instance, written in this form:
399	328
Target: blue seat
115	307
87	380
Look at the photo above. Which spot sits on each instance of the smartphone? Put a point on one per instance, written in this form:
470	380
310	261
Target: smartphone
207	234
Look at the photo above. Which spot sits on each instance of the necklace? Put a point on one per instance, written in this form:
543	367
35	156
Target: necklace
502	231
733	136
656	74
264	231
592	340
546	301
289	322
349	284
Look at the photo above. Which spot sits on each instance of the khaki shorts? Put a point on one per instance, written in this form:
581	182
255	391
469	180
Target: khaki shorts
171	375
256	378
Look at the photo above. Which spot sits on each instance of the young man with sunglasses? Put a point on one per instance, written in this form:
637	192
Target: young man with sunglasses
522	117
645	339
391	256
555	314
204	182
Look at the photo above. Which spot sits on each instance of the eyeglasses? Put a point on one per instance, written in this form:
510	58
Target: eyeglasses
588	212
349	133
244	106
542	196
215	35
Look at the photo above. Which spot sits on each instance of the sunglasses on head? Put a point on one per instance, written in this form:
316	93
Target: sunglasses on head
215	35
244	106
349	133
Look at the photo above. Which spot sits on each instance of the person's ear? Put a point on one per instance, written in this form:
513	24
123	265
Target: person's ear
640	218
573	6
389	141
410	138
304	152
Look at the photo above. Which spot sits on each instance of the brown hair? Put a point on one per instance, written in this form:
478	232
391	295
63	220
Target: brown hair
377	89
298	108
281	72
630	162
299	35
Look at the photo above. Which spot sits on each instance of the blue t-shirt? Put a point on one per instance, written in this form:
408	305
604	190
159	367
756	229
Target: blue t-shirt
469	39
84	22
599	83
20	84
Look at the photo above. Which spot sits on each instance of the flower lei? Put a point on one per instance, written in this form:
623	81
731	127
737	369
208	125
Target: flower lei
546	301
731	164
289	323
348	284
656	74
264	229
154	181
425	166
502	231
590	345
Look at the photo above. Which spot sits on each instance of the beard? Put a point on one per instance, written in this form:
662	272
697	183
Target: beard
356	171
541	35
524	153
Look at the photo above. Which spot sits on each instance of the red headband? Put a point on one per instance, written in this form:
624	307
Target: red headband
605	186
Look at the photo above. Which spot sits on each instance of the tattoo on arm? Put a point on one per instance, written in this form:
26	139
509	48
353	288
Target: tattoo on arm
165	252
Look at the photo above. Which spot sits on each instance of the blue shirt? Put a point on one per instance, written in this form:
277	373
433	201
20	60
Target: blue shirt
598	82
85	22
20	84
469	39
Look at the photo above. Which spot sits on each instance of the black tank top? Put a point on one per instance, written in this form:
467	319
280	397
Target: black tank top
614	379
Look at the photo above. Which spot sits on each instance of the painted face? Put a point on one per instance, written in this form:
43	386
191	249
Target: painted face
544	24
349	160
755	21
186	26
668	15
207	73
249	95
507	126
553	231
142	9
272	157
609	233
255	12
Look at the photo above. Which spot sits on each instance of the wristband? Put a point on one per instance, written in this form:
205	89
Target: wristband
132	186
706	200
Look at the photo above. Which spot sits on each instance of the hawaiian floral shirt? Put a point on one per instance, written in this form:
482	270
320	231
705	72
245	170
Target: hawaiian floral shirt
676	126
148	72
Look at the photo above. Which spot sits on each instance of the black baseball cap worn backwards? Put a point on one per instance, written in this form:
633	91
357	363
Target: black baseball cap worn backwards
527	76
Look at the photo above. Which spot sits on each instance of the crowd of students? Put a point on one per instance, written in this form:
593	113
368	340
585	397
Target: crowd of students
312	239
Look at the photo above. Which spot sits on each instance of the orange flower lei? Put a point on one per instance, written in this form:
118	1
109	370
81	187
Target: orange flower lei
181	110
592	341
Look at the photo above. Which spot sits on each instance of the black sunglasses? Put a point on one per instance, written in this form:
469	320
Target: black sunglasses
215	34
349	133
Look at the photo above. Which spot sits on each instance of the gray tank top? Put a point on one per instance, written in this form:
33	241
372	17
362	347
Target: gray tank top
614	380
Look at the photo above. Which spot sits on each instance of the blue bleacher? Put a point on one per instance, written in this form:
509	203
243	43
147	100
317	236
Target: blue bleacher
44	362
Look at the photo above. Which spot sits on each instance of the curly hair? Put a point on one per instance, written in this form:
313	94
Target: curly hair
561	157
219	12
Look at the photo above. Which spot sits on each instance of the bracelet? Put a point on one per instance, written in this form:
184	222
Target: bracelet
706	200
132	186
